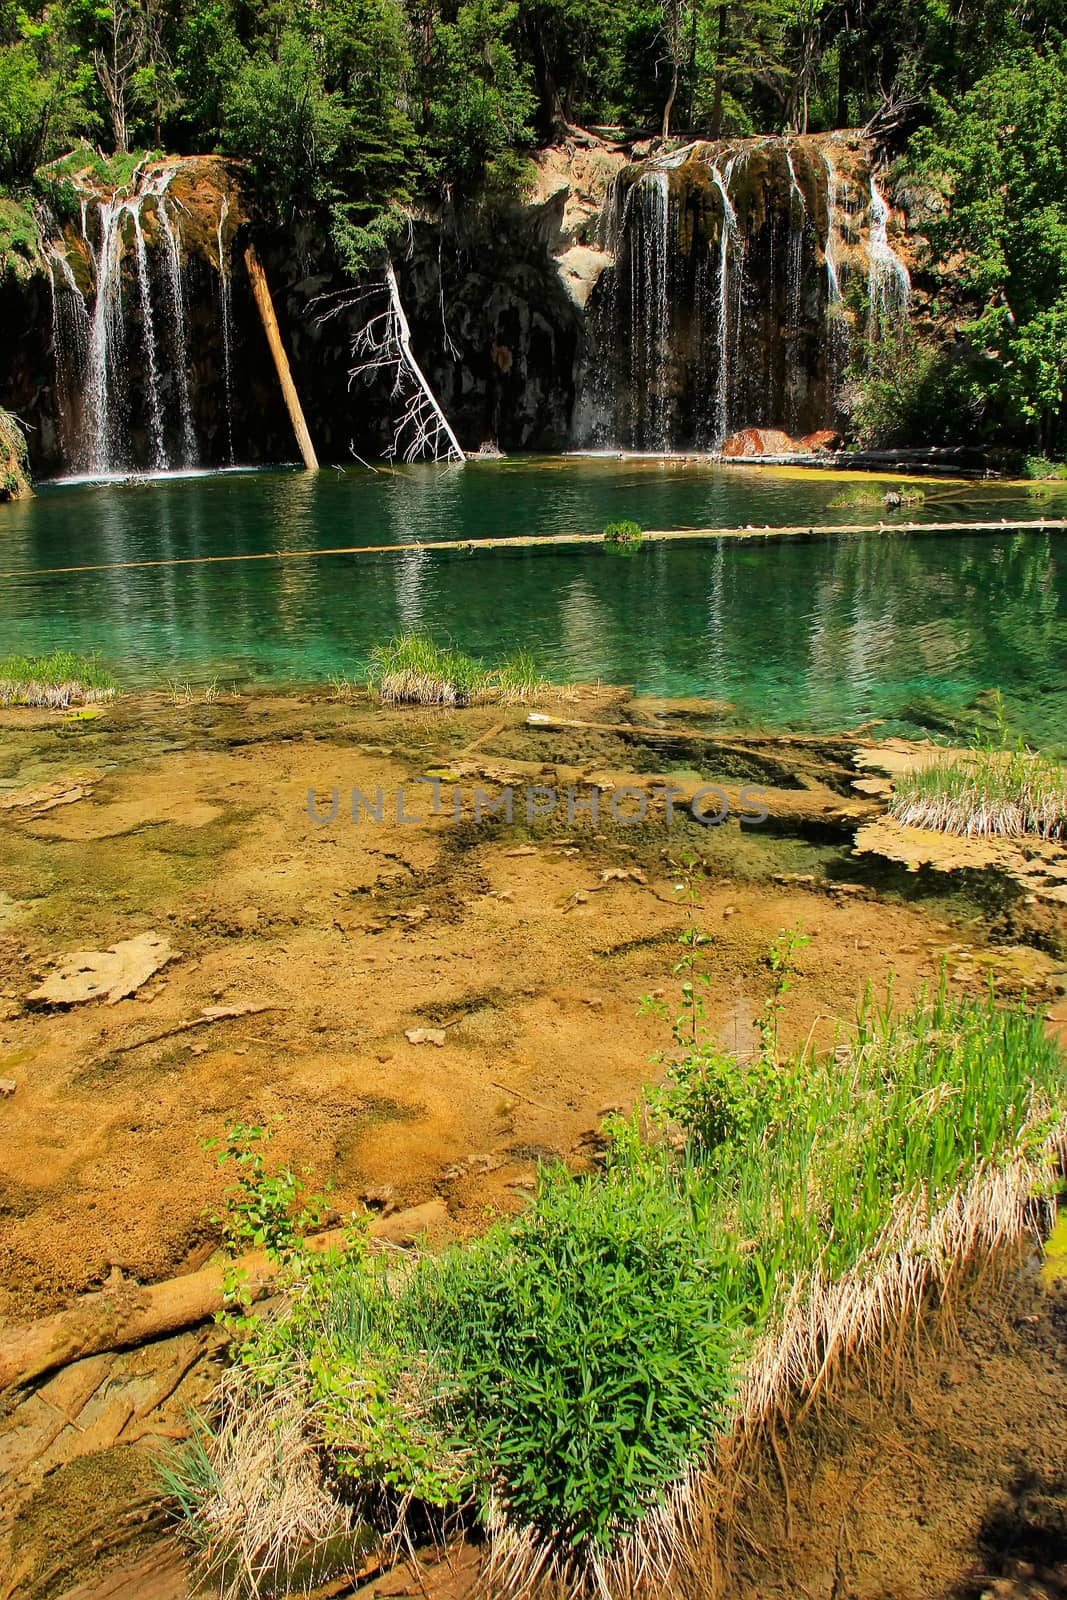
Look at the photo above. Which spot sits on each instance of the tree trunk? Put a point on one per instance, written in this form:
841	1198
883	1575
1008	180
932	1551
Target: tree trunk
265	306
720	64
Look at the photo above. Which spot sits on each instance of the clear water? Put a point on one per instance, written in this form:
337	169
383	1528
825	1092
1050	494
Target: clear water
823	635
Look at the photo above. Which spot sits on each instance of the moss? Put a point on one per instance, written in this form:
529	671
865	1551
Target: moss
14	458
19	241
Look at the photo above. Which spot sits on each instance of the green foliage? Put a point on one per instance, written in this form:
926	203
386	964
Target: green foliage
998	155
589	1352
622	533
1041	468
265	1210
14	466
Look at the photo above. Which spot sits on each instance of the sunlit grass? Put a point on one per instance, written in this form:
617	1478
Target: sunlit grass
1012	794
413	670
58	680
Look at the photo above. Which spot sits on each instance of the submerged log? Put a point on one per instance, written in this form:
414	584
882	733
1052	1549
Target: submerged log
265	306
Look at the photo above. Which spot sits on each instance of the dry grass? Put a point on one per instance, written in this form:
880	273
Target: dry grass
267	1519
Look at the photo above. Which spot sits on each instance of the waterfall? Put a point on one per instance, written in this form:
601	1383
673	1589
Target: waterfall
888	281
649	290
727	233
725	307
70	340
151	355
176	299
117	233
103	387
836	324
226	322
798	217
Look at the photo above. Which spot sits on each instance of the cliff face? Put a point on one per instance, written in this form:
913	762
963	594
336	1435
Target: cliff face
650	303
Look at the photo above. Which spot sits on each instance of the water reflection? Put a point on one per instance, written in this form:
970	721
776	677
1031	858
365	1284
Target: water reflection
820	635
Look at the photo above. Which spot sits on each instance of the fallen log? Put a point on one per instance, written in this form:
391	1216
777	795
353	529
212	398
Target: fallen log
265	306
133	1314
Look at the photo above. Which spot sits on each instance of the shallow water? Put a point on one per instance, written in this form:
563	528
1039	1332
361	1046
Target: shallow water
821	635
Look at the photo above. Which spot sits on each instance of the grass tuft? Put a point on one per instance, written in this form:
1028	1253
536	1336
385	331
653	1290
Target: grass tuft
412	670
56	681
993	789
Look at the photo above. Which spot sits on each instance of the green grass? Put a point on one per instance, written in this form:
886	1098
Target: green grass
58	680
413	670
866	496
566	1375
993	789
1042	467
14	456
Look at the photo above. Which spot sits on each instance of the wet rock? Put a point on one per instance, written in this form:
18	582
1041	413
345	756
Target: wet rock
757	442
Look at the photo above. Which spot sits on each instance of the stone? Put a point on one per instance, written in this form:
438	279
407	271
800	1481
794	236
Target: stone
757	442
111	974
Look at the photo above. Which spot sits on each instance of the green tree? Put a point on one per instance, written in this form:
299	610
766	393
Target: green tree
998	160
43	86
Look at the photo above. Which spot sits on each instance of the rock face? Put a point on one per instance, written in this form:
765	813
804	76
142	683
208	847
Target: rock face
729	303
656	304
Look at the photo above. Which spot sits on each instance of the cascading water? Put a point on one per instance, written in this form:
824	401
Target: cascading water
836	322
122	353
798	218
226	323
725	308
727	232
176	303
70	340
151	355
889	282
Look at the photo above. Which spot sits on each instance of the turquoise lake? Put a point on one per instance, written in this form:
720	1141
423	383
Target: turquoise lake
818	635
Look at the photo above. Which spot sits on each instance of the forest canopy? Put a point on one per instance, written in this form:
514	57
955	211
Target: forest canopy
347	111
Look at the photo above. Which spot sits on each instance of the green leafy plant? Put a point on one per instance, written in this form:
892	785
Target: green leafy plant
622	534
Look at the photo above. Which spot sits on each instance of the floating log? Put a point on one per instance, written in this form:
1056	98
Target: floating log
802	534
265	305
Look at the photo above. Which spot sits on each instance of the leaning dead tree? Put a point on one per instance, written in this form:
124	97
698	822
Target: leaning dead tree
383	350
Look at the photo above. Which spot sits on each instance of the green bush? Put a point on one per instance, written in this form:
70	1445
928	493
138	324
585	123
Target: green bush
1040	468
587	1350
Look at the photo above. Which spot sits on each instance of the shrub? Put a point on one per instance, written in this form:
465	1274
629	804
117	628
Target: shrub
622	533
1040	467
